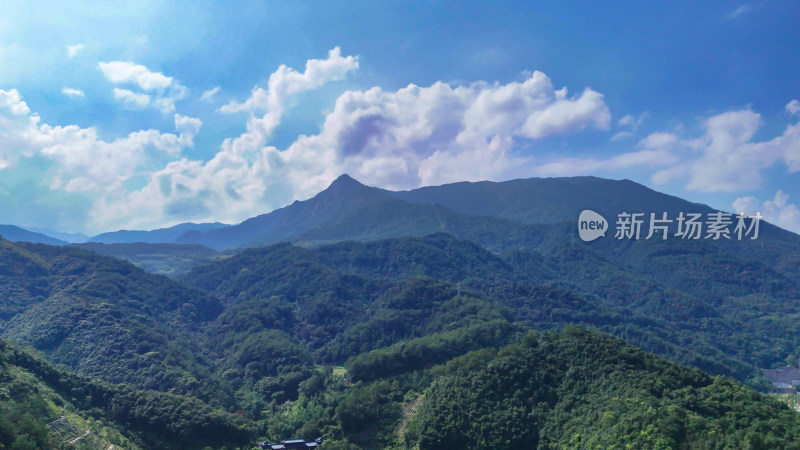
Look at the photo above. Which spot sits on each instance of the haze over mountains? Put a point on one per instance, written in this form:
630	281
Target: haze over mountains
15	234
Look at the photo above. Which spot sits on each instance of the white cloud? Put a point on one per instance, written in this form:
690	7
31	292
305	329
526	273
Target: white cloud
272	102
630	122
777	211
414	134
84	162
131	99
164	104
286	81
188	128
429	135
655	150
73	50
120	72
70	92
234	183
12	101
258	100
209	94
660	141
410	137
626	121
726	159
16	124
793	107
621	135
567	115
163	91
748	205
738	12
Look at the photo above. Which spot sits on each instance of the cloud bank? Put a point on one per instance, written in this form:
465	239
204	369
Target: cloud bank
403	139
83	161
396	139
726	158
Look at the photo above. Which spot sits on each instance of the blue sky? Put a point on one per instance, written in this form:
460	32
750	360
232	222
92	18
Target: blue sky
148	114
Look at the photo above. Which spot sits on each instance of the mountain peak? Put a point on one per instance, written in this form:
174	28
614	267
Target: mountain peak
346	184
345	180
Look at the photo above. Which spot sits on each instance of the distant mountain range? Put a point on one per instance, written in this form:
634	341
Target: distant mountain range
348	209
14	233
528	214
72	238
168	235
160	236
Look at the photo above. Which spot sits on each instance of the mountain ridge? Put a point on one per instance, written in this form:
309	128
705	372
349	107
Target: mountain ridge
14	233
525	201
158	236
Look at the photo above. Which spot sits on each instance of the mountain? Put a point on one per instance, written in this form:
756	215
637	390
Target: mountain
389	322
285	313
701	292
343	198
163	259
158	236
417	322
501	216
45	406
560	200
368	344
16	234
689	302
349	210
580	389
547	200
573	389
72	238
106	318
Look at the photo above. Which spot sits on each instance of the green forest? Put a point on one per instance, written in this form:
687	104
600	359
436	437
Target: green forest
400	343
480	332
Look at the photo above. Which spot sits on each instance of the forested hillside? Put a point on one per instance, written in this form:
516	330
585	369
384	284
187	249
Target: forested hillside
580	389
106	318
43	406
721	323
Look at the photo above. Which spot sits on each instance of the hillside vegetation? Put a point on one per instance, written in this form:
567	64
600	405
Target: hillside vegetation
44	406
